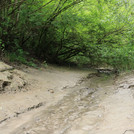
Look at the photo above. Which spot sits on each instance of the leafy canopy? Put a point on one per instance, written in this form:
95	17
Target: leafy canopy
98	32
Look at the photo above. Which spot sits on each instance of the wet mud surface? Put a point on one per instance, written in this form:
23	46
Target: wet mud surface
76	104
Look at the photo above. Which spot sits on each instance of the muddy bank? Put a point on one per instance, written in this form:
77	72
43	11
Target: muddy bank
11	80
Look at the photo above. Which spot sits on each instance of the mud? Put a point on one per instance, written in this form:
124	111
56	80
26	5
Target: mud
31	89
64	101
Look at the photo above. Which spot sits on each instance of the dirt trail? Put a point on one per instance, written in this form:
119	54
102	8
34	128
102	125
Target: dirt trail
60	101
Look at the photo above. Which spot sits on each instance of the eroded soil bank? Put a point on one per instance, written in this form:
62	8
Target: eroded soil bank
66	101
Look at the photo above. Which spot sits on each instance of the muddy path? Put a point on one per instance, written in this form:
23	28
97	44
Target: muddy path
64	101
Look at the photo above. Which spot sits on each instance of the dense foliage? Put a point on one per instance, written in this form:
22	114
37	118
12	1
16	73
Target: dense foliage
93	32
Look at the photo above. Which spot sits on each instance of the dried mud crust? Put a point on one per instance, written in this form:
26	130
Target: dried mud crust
11	81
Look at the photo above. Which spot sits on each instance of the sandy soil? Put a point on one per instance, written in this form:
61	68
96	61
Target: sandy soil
64	101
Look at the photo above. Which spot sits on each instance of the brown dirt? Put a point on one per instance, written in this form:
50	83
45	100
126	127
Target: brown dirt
24	90
62	101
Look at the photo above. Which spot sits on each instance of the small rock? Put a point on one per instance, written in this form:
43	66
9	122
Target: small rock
51	90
